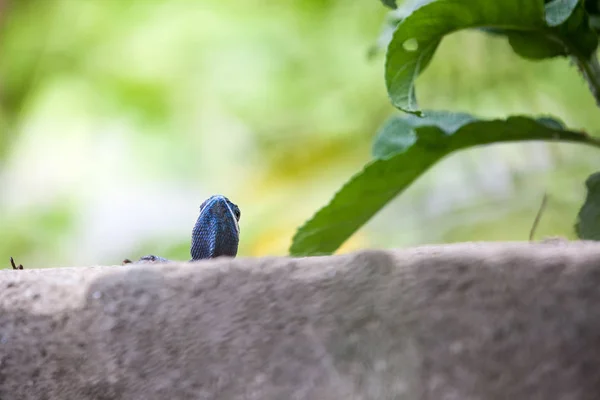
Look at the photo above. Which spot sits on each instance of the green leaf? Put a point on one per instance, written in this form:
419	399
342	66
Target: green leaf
569	33
558	11
404	149
528	25
398	134
534	46
388	144
587	226
391	22
592	7
390	3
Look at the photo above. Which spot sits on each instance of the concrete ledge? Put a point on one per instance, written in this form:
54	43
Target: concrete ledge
469	321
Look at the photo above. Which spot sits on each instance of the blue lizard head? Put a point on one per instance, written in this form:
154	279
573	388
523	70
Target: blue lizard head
216	232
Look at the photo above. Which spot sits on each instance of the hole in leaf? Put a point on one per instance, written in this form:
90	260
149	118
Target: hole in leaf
411	45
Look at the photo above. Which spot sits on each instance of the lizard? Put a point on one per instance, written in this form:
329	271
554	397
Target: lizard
216	233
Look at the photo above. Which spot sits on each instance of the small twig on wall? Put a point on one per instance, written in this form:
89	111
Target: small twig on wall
538	217
12	262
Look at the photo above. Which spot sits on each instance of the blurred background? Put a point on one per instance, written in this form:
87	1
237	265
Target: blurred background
119	117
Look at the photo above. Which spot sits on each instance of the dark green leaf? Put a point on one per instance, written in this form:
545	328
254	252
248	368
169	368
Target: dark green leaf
588	219
390	3
569	33
534	46
525	22
405	148
592	6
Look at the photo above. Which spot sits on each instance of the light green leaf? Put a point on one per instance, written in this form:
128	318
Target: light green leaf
558	11
405	148
398	134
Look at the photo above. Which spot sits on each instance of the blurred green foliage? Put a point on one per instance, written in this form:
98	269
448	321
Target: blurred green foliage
118	117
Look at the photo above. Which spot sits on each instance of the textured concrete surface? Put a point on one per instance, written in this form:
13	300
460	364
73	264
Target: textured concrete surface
470	321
